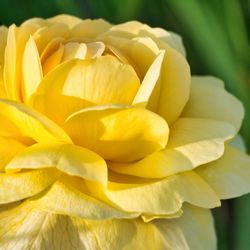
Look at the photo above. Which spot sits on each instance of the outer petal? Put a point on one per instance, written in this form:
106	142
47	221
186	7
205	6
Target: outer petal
70	197
97	81
192	142
197	225
15	187
230	175
171	38
19	119
25	227
116	132
209	99
238	142
164	197
69	158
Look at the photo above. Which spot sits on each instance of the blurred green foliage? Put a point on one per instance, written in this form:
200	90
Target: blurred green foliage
216	36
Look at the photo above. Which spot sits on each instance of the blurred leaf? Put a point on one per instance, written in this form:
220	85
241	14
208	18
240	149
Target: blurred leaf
242	223
207	34
114	11
222	221
68	6
16	11
236	28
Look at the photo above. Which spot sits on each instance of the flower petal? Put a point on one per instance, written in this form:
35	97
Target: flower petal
53	60
32	70
46	34
15	187
25	227
230	175
16	40
9	147
68	196
171	38
149	82
3	41
209	100
197	226
98	81
50	48
95	49
175	86
117	132
140	52
69	158
69	20
160	36
150	217
26	122
74	50
192	142
159	197
238	142
89	29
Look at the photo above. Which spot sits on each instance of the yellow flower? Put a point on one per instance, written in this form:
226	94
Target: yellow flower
106	142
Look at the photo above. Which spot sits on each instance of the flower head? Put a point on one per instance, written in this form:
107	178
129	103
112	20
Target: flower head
106	141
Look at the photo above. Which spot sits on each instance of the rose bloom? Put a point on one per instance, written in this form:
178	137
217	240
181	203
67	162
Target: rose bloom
107	142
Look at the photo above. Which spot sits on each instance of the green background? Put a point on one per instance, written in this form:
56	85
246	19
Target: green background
216	36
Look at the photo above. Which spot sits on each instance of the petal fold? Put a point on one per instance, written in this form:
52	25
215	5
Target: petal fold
117	132
192	142
68	196
96	81
164	197
149	82
69	158
25	227
15	187
9	147
19	119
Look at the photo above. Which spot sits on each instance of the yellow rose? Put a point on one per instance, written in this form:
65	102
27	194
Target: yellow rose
106	142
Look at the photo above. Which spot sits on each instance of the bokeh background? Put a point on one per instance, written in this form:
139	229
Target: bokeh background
216	36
